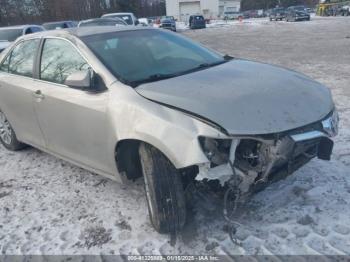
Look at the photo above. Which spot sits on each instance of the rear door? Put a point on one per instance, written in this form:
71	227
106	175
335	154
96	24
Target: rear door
72	120
17	91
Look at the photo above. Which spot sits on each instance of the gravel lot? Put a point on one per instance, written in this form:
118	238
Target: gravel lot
48	206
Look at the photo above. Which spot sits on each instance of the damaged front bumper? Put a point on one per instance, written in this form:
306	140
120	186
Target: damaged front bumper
256	160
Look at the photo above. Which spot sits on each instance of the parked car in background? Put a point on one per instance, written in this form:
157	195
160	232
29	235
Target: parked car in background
300	8
253	13
103	22
246	14
309	10
129	18
168	22
345	10
144	21
137	102
278	14
197	22
60	25
233	15
154	20
10	34
268	12
295	15
260	13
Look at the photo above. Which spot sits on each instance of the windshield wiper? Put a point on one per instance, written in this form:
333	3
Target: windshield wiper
152	78
228	57
158	77
201	67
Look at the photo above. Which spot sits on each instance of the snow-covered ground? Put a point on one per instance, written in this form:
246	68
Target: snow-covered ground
48	206
229	23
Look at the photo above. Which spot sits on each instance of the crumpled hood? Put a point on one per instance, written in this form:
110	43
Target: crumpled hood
245	98
3	45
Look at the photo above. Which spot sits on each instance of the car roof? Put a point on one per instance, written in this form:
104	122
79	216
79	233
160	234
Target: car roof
57	22
84	31
18	27
101	19
117	14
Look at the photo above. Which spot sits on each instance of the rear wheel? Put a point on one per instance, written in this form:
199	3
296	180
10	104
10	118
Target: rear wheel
8	136
164	191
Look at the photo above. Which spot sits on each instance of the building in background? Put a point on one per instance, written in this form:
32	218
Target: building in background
182	9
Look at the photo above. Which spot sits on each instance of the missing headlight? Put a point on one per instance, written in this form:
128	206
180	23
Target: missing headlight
216	150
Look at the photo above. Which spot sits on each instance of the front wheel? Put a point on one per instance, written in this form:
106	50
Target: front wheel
8	136
164	191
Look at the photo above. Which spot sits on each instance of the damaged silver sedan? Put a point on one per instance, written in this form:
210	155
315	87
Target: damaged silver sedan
131	102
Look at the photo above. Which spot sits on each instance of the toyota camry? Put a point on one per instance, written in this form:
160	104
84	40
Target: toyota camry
142	102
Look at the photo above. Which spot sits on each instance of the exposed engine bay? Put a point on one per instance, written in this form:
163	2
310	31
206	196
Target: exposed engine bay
246	164
258	160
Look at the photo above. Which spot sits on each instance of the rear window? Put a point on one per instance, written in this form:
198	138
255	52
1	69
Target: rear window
55	26
126	18
10	34
100	23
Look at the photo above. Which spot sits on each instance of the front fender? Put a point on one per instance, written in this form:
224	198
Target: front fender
172	132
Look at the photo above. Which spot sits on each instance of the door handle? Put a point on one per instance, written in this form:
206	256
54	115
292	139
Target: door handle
38	94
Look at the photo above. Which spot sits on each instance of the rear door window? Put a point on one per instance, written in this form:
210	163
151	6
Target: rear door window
21	60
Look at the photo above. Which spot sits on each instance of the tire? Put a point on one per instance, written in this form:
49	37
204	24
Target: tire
164	191
8	136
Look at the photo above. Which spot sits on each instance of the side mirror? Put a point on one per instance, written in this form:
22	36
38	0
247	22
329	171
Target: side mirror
137	22
80	80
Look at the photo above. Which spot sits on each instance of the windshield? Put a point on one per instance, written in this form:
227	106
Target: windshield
149	55
10	34
126	18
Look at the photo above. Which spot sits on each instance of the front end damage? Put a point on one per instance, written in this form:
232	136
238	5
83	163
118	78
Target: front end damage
254	161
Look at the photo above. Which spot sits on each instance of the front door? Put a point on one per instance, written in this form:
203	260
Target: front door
73	120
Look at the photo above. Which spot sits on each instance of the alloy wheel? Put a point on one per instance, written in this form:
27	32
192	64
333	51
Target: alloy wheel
5	129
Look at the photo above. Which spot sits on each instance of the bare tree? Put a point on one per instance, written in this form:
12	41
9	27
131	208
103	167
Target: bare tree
14	12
